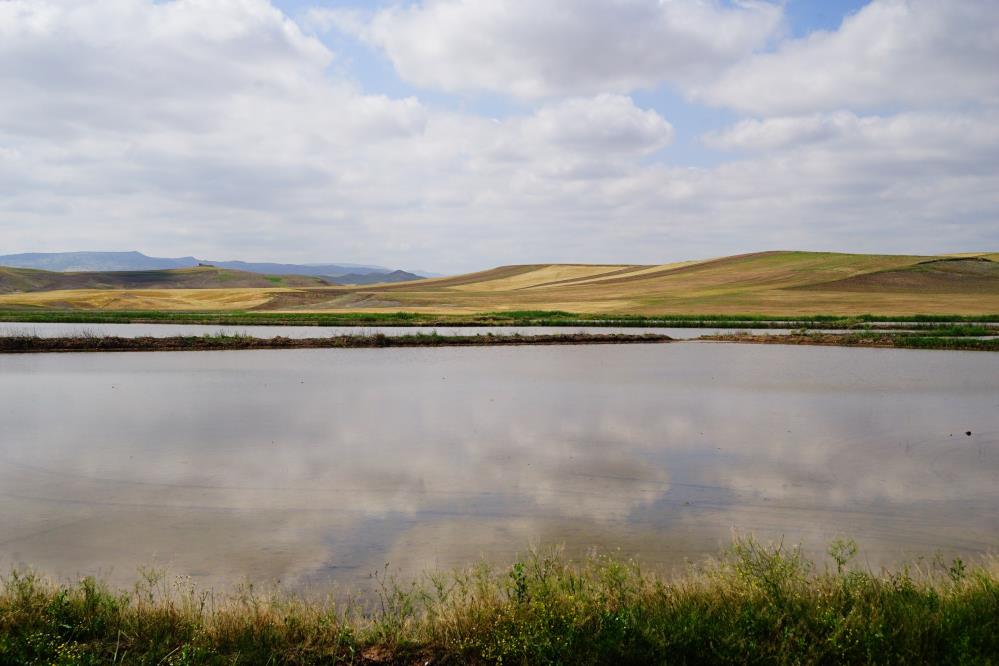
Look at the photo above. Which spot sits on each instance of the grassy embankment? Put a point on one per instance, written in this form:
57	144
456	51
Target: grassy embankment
778	284
755	605
507	318
948	337
23	344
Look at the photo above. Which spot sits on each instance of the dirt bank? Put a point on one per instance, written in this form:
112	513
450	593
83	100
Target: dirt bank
32	344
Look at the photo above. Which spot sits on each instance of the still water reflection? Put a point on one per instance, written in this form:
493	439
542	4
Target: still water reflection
320	466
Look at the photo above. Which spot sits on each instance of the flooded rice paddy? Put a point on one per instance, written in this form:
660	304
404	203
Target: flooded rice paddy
319	467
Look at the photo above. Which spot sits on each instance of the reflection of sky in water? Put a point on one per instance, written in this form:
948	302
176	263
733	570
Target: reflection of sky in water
319	464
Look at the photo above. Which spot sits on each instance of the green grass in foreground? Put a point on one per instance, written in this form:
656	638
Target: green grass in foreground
511	318
756	604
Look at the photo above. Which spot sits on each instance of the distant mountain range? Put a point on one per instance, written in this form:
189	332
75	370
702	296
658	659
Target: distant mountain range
77	262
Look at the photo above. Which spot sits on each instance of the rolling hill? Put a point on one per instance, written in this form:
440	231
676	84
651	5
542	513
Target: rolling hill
201	277
770	283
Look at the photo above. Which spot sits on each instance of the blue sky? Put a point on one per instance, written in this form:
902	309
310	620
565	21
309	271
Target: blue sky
454	135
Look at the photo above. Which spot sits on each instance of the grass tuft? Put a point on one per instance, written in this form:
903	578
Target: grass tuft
756	604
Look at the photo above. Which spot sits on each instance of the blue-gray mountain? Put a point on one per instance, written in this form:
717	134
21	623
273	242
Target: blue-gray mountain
136	261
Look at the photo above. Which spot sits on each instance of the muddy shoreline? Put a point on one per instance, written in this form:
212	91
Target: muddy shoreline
32	344
876	341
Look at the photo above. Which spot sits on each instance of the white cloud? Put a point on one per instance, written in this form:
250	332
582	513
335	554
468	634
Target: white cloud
195	127
538	49
949	136
781	132
608	124
218	129
922	53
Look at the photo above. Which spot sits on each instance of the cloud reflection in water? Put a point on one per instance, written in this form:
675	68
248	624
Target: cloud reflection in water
322	465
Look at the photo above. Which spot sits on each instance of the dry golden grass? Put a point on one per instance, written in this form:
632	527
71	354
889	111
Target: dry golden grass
143	299
541	276
769	283
633	272
992	256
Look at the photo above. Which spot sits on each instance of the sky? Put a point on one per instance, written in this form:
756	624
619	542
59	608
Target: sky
457	135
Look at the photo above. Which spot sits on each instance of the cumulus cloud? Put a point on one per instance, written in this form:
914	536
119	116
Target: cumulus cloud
223	129
530	49
608	124
921	53
924	179
957	137
149	143
148	120
781	132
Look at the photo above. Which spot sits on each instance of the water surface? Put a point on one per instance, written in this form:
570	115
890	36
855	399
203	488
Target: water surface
319	467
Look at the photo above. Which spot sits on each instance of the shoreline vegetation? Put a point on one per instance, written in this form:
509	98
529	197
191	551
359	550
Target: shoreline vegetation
754	604
958	339
24	344
968	338
500	318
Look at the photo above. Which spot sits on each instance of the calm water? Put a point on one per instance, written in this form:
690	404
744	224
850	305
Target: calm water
321	466
167	330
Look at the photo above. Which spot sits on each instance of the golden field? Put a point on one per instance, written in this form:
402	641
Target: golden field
767	283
